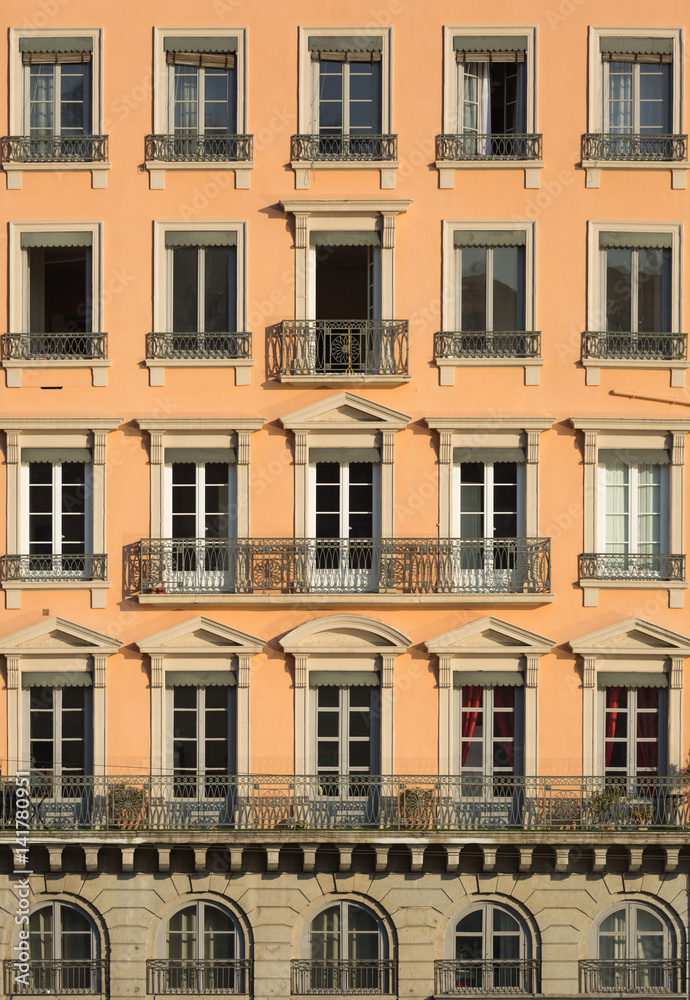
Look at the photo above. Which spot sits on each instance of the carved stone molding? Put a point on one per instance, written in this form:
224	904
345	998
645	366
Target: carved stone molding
301	240
99	671
12	447
388	450
99	439
156	448
243	447
387	670
589	674
300	670
301	451
156	671
532	672
445	672
590	447
244	661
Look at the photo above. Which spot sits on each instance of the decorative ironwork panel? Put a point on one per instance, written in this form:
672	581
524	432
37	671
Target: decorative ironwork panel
344	347
486	344
196	976
83	977
608	146
631	566
88	566
633	975
343	976
635	346
199	148
484	146
55	149
347	146
198	346
486	976
55	346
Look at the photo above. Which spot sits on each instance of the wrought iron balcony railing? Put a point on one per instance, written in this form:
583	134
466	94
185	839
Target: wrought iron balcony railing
610	345
55	149
487	344
55	346
632	975
631	566
344	347
488	976
343	976
55	568
348	146
343	802
200	977
608	146
198	346
198	148
345	565
484	146
64	977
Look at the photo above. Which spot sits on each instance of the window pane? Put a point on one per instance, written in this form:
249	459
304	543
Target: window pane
41	99
59	291
508	290
620	97
655	98
617	508
365	99
75	84
185	99
654	291
473	292
219	305
185	305
331	96
618	289
220	101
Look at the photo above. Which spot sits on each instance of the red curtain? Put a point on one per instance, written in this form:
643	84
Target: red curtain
472	699
612	699
647	728
504	697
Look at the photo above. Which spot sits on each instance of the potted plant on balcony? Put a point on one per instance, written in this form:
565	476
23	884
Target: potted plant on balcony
606	807
127	807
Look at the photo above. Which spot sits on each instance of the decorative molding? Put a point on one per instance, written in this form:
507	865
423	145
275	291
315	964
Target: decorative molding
445	670
12	673
387	670
388	450
589	674
244	662
300	670
157	671
388	240
678	453
99	439
301	451
99	671
156	448
532	671
243	447
590	447
532	447
445	451
677	664
12	447
301	235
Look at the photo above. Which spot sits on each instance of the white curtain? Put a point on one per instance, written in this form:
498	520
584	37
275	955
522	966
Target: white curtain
617	508
186	89
649	509
485	104
41	101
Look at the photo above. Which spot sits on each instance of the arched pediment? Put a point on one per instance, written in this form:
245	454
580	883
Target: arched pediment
200	636
345	634
489	637
630	638
57	637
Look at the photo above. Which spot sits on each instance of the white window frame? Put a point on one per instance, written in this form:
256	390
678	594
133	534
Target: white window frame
488	511
200	903
596	90
374	286
344	904
57	733
201	289
452	96
633	504
631	739
57	124
631	905
200	691
56	907
346	96
200	495
343	736
635	98
162	296
162	90
307	116
57	507
487	907
450	303
18	99
19	297
489	738
344	497
200	99
596	294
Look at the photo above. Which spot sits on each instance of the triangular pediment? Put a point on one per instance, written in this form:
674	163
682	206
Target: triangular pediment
344	634
342	410
55	636
200	635
630	637
489	636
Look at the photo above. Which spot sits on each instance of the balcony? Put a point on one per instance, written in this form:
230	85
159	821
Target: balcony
54	568
198	346
343	976
343	350
199	148
643	148
613	346
428	803
487	344
629	976
294	566
55	149
348	147
84	977
197	977
481	146
638	566
455	978
55	346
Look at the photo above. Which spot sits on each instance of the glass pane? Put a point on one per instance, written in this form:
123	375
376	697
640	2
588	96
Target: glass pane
620	97
331	96
618	289
219	935
655	98
220	279
473	291
41	99
75	86
185	99
654	291
508	290
181	938
185	305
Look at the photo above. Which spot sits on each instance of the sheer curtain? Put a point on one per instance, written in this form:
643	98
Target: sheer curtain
472	699
612	700
41	100
617	508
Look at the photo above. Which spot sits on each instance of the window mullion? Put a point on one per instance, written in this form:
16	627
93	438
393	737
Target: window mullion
343	723
57	87
632	731
346	97
57	732
489	500
201	100
636	94
200	732
634	292
201	286
489	289
488	707
633	508
200	500
344	500
57	509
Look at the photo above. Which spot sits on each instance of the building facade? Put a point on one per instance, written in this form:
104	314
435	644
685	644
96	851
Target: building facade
344	484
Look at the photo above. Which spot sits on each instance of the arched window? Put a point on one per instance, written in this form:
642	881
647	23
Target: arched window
203	953
633	949
348	953
490	952
63	951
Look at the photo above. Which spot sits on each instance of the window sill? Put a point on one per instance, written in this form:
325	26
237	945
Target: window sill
157	367
447	366
591	588
156	168
13	590
593	168
303	168
333	381
14	369
677	368
349	600
446	169
99	172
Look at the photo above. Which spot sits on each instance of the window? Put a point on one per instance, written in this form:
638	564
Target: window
199	112
634	727
64	952
55	104
199	301
633	945
490	738
203	949
489	102
346	739
344	106
347	950
490	954
59	735
634	102
635	509
203	736
488	302
59	522
638	290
